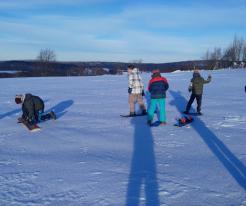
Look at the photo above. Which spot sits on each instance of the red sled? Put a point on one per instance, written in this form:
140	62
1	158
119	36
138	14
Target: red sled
31	128
183	121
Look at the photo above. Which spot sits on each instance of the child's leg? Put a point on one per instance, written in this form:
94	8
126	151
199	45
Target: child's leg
40	114
162	103
141	102
131	101
152	108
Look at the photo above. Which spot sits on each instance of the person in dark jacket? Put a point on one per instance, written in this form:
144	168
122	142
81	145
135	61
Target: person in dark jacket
33	108
196	89
158	86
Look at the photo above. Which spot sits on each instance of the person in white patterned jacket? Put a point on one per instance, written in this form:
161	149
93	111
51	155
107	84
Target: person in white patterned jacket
135	90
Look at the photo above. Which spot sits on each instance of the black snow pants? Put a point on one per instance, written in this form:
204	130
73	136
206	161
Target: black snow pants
198	100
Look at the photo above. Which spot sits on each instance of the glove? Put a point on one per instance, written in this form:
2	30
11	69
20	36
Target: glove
190	89
143	94
129	90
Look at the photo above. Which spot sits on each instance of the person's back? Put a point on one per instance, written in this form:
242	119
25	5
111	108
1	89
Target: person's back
32	102
135	90
196	87
157	87
135	82
197	83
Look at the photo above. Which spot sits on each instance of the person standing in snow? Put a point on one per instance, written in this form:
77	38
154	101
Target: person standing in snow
196	89
33	108
158	86
135	90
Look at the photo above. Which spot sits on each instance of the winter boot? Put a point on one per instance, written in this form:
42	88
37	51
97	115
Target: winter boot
53	115
132	114
144	112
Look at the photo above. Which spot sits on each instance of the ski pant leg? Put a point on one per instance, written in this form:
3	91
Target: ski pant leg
162	107
192	98
152	108
141	102
40	114
132	101
199	102
45	117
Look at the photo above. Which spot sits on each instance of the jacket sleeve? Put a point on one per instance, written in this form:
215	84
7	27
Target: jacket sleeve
149	86
130	81
29	110
167	86
208	80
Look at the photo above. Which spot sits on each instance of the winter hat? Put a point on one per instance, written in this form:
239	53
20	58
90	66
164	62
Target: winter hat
156	73
18	99
196	73
131	66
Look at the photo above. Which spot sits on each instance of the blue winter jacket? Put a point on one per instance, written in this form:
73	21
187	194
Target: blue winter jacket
158	87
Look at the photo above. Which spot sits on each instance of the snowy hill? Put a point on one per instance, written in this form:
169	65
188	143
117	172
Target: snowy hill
91	156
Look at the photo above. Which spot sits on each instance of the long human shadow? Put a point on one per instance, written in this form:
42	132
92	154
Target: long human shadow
232	164
10	113
61	108
143	167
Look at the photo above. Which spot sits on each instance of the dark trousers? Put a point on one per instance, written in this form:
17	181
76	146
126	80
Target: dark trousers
198	100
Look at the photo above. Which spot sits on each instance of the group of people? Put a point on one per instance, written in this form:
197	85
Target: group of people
33	106
157	88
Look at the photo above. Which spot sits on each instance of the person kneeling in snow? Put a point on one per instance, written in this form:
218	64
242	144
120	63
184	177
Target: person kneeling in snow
158	86
33	108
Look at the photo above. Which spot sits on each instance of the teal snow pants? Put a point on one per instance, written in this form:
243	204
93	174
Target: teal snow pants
152	108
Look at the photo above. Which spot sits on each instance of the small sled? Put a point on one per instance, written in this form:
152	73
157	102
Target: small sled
31	128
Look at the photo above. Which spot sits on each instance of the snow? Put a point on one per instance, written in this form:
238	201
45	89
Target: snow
92	156
9	71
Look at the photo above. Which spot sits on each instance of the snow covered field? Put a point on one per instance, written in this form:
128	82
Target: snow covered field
91	156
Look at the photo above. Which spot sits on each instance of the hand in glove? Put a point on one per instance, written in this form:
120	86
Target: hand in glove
190	88
129	90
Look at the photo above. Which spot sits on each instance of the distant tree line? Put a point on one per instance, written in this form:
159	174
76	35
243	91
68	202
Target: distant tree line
233	56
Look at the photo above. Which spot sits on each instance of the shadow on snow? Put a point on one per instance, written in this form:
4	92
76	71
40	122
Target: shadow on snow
143	167
233	165
61	108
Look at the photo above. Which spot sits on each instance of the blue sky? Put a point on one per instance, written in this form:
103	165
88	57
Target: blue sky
114	30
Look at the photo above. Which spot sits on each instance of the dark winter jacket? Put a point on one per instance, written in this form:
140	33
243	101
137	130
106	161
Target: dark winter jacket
158	87
197	83
31	107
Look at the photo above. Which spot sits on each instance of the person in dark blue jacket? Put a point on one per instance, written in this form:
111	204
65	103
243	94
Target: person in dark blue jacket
33	108
158	86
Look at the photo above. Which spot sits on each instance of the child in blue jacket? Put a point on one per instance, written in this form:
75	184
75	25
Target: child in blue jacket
158	86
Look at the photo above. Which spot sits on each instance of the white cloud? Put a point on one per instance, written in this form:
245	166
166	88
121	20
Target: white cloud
137	32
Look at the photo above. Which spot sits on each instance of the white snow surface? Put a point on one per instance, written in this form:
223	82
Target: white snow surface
91	156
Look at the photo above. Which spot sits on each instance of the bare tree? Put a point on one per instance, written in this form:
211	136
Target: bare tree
238	44
235	51
46	58
244	52
206	55
137	61
216	54
46	55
